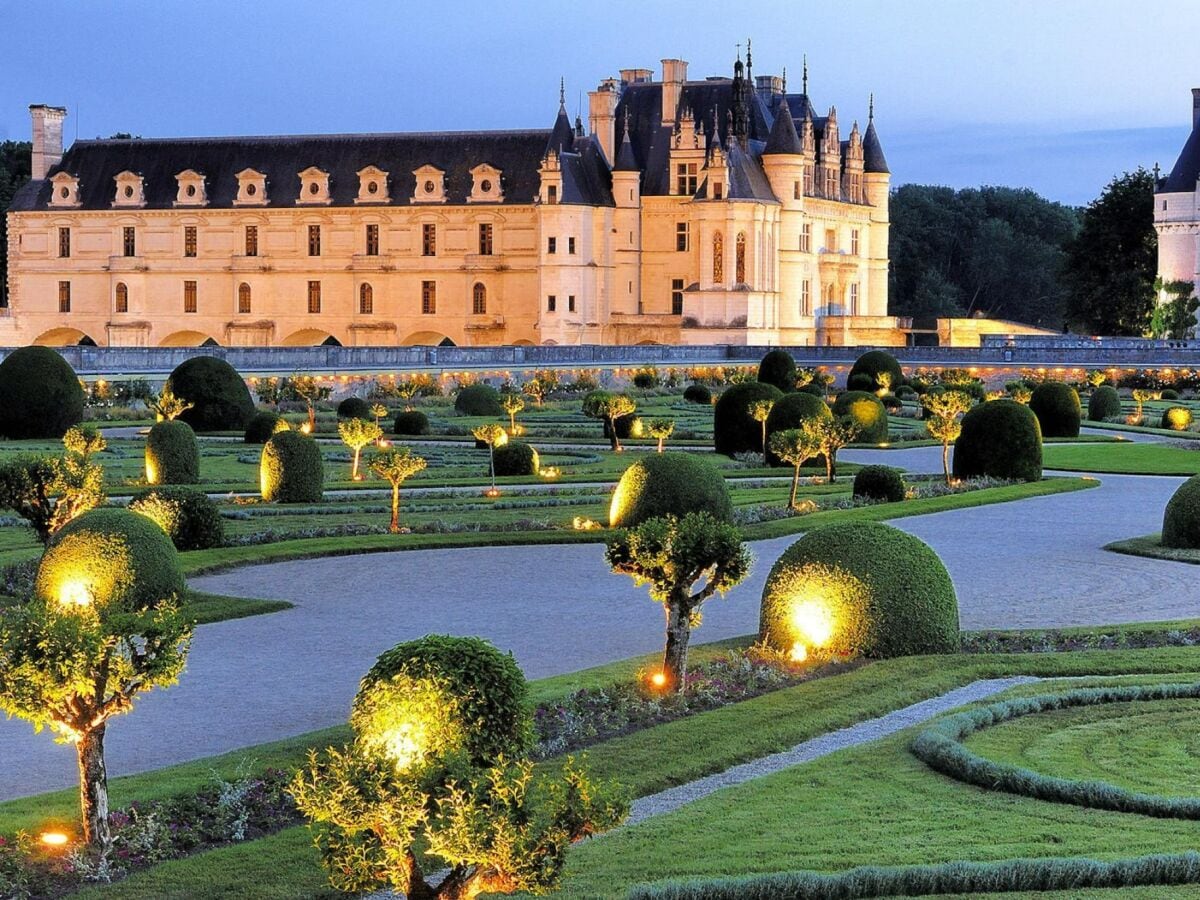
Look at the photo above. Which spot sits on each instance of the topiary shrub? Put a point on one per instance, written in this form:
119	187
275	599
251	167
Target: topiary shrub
189	517
478	400
879	483
1169	394
790	412
1177	418
861	381
778	368
40	395
867	413
1105	403
669	484
904	392
1181	518
871	364
816	390
109	556
291	470
860	588
219	397
516	458
1000	439
734	430
263	425
411	422
1057	408
629	426
354	408
697	393
172	454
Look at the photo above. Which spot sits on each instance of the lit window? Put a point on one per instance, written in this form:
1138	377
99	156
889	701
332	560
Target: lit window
189	296
121	300
428	298
485	239
718	262
64	242
478	299
681	236
739	274
372	240
189	240
366	299
685	178
64	296
129	241
677	296
314	297
252	240
243	298
428	240
314	240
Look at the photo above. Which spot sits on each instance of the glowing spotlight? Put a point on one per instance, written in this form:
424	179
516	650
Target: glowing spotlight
658	679
799	653
54	839
75	592
813	620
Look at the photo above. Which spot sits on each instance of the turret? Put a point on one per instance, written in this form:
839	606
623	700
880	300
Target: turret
626	174
783	160
562	138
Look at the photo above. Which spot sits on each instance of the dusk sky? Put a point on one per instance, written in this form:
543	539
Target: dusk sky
1057	96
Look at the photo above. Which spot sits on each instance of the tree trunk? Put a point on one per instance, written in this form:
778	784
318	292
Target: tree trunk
616	438
93	788
829	466
354	465
417	888
395	526
660	444
946	461
764	441
795	484
312	419
679	631
492	464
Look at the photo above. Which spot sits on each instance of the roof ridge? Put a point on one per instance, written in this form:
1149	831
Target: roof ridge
500	132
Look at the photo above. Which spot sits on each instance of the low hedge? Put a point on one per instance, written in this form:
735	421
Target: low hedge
1181	517
1056	406
516	458
662	484
866	412
1000	439
292	470
697	393
778	368
172	454
189	517
411	422
734	429
354	408
879	483
1105	403
872	364
479	400
262	426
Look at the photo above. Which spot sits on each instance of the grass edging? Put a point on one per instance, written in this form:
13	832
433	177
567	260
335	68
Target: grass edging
1150	546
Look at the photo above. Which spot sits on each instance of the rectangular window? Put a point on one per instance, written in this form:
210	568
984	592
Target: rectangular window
570	303
485	239
314	240
64	296
806	238
428	298
372	240
806	298
314	297
796	195
252	240
808	180
121	301
244	299
681	236
685	178
64	242
830	240
571	245
718	190
428	240
551	303
552	193
854	299
854	242
129	241
551	245
189	296
189	240
677	296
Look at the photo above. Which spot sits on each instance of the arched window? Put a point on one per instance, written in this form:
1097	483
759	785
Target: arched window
366	299
478	299
121	303
243	298
718	258
740	259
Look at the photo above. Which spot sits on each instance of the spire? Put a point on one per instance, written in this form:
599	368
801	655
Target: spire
749	63
783	138
804	79
562	93
871	108
562	137
873	158
737	105
626	162
785	81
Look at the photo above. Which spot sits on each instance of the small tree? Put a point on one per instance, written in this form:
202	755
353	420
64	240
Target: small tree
1140	396
760	411
804	378
671	555
1022	393
609	407
943	420
1096	378
797	446
356	434
378	410
167	406
406	390
660	430
537	389
395	466
80	482
512	403
884	380
835	434
308	389
493	435
27	487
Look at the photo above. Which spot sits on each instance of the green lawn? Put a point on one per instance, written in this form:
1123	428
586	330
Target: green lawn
1122	459
1150	545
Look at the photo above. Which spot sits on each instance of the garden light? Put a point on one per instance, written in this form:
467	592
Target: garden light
658	679
812	620
54	839
404	743
492	492
305	428
75	592
799	653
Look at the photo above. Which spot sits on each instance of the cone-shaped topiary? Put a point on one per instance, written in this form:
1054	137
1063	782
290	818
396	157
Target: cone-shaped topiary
411	422
734	429
1057	408
879	483
40	395
1000	439
479	400
860	588
697	393
354	408
1105	403
1181	518
866	412
263	425
669	484
872	364
790	412
219	397
516	458
778	368
172	454
291	470
189	517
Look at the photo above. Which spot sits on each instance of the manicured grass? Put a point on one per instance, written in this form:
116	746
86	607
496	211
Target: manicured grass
1145	429
1150	545
209	608
1123	459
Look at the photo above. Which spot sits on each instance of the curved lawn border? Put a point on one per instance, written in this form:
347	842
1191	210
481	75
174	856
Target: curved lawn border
1150	546
940	747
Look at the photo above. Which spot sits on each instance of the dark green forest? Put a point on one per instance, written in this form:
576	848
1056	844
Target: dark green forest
14	172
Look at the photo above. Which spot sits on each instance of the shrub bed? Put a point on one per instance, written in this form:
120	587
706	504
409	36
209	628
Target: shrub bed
734	430
1056	406
879	483
1000	439
1104	404
1177	418
662	484
866	412
172	454
411	422
291	470
516	458
189	517
40	395
478	400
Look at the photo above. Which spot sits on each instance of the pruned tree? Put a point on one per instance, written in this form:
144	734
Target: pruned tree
804	377
357	434
49	492
537	389
660	430
395	466
1140	396
835	434
943	420
379	411
1096	377
512	403
492	435
609	407
308	389
797	446
168	406
760	411
27	486
672	555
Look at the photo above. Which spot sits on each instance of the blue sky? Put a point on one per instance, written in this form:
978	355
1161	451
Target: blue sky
1058	95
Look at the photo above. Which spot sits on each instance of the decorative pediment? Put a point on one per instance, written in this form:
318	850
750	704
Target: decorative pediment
252	188
191	189
130	190
64	193
372	185
431	185
314	187
486	185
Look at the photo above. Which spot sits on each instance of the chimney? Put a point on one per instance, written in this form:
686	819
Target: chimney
602	116
1196	107
47	138
768	88
636	76
674	74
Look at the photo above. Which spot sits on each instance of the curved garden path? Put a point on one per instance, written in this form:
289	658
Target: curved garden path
1035	562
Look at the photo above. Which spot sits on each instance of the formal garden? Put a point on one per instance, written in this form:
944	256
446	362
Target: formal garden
859	743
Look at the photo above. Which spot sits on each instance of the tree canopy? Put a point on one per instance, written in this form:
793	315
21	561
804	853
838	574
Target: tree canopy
15	158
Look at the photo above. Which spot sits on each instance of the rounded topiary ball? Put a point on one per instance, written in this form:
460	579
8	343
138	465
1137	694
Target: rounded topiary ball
872	364
354	408
263	425
1169	394
1105	403
410	421
879	483
40	395
479	400
189	517
109	557
172	454
516	458
734	430
1181	518
221	401
866	412
791	412
292	470
1177	418
697	393
429	700
669	484
1057	408
860	381
860	588
1000	439
778	368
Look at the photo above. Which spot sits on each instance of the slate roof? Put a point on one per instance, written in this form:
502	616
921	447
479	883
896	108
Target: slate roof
783	137
873	158
1182	179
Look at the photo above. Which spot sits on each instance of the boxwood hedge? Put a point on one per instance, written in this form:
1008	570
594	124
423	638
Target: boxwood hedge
661	484
1057	408
734	430
172	454
40	395
292	470
189	517
219	397
1000	439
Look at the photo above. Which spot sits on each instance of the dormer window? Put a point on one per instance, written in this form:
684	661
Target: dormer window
130	190
431	185
252	188
372	186
64	191
486	185
190	189
314	187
